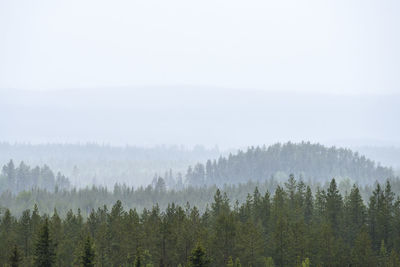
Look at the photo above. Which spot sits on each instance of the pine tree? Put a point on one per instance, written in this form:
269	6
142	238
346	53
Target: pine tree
44	250
15	257
199	257
88	255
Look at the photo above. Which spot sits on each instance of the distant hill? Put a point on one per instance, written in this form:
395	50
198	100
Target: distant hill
312	162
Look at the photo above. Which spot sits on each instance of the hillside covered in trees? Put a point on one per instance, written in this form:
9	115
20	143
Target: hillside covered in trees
291	227
312	162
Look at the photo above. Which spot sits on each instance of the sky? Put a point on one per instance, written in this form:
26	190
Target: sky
228	73
336	47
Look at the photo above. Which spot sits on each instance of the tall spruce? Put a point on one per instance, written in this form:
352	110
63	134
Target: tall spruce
87	258
44	255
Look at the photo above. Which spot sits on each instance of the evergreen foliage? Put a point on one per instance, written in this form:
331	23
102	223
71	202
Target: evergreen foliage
44	251
88	254
312	161
290	227
15	257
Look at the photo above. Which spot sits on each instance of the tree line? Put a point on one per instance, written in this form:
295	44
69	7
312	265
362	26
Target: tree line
23	177
291	227
314	162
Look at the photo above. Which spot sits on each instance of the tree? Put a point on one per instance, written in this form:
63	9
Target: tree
308	206
362	255
334	206
88	255
250	244
44	250
199	257
15	257
354	214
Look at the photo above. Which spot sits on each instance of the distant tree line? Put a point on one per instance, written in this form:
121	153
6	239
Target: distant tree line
21	178
292	227
21	186
90	163
313	162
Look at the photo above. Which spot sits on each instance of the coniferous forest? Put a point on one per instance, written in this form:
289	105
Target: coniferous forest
199	133
288	227
299	221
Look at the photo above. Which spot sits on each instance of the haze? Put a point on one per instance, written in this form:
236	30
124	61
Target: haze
323	46
224	73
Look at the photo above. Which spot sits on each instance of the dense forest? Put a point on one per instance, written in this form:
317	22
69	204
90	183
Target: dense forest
234	211
21	185
313	162
291	227
105	165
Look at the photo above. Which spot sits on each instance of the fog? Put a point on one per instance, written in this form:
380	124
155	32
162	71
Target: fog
190	116
223	74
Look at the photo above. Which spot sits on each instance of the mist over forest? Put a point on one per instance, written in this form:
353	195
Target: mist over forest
205	133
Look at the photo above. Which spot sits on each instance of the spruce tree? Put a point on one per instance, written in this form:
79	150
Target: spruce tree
44	250
88	255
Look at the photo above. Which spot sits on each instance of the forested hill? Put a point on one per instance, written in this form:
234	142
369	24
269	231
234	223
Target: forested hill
312	162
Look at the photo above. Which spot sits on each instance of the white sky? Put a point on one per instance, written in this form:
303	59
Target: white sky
339	46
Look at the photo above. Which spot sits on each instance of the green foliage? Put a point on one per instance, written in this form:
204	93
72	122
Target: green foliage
230	262
306	263
237	263
87	258
15	257
262	231
199	258
44	251
269	262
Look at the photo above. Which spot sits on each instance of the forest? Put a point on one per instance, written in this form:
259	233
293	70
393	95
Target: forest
289	227
236	211
314	162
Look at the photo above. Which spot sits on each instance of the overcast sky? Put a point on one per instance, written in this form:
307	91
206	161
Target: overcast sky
340	46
